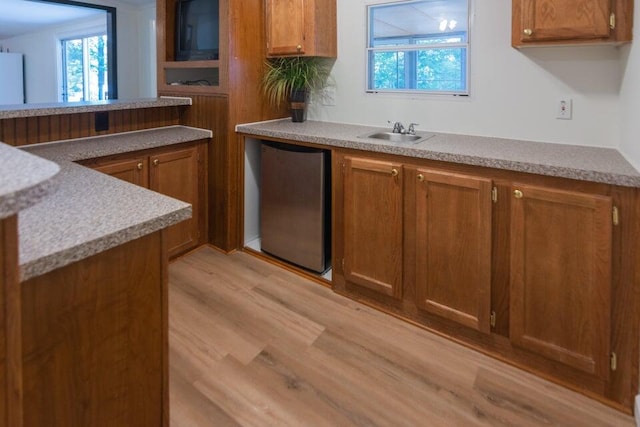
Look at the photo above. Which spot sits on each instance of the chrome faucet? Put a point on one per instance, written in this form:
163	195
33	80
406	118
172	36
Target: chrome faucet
397	127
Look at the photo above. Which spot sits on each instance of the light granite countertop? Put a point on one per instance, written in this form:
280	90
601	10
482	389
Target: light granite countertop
605	165
92	212
35	110
25	179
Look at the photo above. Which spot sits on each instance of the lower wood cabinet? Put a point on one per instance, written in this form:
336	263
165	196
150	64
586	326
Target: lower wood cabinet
177	172
561	276
540	271
453	247
372	213
452	231
134	170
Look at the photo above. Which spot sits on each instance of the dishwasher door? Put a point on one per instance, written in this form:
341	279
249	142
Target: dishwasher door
294	204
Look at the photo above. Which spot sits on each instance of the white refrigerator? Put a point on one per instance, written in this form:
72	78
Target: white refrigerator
11	79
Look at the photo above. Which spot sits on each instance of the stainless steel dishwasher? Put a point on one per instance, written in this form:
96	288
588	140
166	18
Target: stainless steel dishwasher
295	197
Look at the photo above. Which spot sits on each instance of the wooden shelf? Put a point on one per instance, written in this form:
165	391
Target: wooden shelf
192	89
192	64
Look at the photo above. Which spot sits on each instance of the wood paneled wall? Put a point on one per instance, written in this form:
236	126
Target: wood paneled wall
10	325
95	340
212	112
33	130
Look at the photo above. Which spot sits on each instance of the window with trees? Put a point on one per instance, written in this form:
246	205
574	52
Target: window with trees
419	46
84	66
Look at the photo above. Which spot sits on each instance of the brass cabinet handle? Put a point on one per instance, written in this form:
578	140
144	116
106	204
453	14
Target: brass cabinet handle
518	194
156	162
528	31
420	177
394	172
299	47
139	166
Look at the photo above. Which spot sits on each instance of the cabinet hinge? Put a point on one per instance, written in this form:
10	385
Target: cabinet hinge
612	21
615	216
343	169
492	319
494	194
342	264
613	361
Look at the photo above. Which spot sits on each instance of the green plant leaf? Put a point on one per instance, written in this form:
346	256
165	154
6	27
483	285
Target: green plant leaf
284	75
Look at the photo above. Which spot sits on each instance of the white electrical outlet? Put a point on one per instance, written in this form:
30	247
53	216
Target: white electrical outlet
329	96
565	109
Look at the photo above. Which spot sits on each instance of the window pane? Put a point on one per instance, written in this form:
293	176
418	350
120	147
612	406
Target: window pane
388	70
441	69
73	71
97	78
417	19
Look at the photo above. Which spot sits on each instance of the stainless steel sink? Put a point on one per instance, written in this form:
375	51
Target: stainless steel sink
398	137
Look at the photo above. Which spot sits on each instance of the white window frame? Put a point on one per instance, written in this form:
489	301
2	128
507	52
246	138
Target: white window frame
414	48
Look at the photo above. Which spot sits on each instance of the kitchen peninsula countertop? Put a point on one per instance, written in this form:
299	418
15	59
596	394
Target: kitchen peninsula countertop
25	179
92	212
35	110
605	165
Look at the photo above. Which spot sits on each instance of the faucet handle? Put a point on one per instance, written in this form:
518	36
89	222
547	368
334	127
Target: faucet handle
412	129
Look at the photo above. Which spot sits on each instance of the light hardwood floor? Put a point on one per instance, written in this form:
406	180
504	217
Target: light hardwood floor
254	345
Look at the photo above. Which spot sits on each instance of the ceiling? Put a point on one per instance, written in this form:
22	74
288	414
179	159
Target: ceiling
25	16
420	17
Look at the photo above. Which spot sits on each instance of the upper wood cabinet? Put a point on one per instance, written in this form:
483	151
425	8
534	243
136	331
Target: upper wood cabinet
453	247
552	22
301	28
372	218
561	276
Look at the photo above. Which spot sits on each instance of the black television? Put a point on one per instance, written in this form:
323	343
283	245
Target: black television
197	30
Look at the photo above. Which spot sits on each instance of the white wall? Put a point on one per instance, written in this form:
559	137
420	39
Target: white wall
147	75
630	96
513	92
135	54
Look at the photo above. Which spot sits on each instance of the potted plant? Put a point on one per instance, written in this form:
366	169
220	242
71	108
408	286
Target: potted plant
291	79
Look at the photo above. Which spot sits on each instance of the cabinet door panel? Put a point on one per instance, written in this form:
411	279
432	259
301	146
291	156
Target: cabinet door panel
561	276
453	247
175	174
285	27
134	171
373	225
565	19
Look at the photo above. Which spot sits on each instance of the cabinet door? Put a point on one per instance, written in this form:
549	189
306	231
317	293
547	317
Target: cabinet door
373	225
285	27
175	174
561	276
134	171
453	247
562	19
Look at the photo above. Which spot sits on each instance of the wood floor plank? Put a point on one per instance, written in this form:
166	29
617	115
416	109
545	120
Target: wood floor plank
245	309
190	408
251	403
191	320
254	345
519	398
